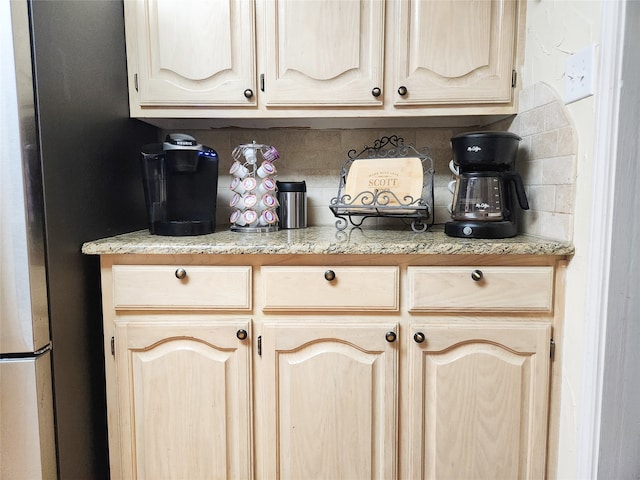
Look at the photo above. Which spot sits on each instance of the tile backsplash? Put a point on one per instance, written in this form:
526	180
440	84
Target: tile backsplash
546	161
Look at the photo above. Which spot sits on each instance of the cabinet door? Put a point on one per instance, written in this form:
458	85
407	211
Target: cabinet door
185	392
324	53
478	401
330	401
454	51
199	52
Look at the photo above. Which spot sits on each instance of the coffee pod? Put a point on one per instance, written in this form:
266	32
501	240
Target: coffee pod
236	216
268	185
266	169
236	185
236	201
249	200
238	170
249	184
268	201
271	154
250	155
250	217
268	217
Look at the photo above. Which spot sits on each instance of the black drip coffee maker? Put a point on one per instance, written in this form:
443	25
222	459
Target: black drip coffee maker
180	179
486	187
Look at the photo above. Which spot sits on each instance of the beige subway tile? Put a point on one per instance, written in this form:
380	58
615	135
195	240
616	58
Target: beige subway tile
564	199
557	226
442	215
356	139
317	215
514	126
530	222
524	150
555	116
531	172
443	197
541	197
558	170
407	134
567	141
531	122
544	145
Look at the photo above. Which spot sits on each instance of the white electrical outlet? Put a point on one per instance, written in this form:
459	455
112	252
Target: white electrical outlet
579	75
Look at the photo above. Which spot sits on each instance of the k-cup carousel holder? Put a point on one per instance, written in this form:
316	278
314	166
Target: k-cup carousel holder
254	200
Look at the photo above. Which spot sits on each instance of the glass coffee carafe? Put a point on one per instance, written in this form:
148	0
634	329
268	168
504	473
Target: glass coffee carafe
478	196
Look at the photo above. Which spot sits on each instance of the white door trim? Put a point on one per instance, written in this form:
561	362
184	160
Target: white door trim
597	288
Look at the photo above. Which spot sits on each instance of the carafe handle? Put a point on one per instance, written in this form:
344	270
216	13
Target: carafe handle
520	193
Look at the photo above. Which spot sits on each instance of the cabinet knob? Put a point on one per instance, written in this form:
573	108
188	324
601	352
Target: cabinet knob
402	91
376	92
390	337
181	273
329	275
248	93
419	337
477	275
242	334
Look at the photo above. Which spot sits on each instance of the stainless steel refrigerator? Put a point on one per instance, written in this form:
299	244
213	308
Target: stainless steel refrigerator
69	173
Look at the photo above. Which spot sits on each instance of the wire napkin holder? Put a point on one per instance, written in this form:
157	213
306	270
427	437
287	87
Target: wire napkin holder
354	207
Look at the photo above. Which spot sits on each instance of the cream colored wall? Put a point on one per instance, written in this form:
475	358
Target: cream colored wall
554	30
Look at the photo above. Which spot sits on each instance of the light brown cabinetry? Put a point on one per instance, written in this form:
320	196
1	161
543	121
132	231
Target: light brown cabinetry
478	399
453	52
330	382
331	288
190	54
179	370
265	59
321	53
510	289
479	371
184	389
158	287
323	366
330	398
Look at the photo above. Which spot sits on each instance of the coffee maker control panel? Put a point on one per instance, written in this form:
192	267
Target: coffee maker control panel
180	141
208	152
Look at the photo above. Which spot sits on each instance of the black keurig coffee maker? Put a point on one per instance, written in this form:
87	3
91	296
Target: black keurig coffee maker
180	179
486	187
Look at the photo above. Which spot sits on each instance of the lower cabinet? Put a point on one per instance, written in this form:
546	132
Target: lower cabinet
330	400
477	401
363	371
185	398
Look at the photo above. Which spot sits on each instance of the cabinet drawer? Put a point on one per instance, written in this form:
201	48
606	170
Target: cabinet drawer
520	289
313	288
202	287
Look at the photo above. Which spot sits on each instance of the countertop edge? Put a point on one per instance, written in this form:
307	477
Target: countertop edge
325	241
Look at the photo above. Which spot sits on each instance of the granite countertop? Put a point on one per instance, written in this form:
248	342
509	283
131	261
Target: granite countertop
326	240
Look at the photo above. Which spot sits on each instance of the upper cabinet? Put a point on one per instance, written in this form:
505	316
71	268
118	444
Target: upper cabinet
456	51
324	53
272	59
190	54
